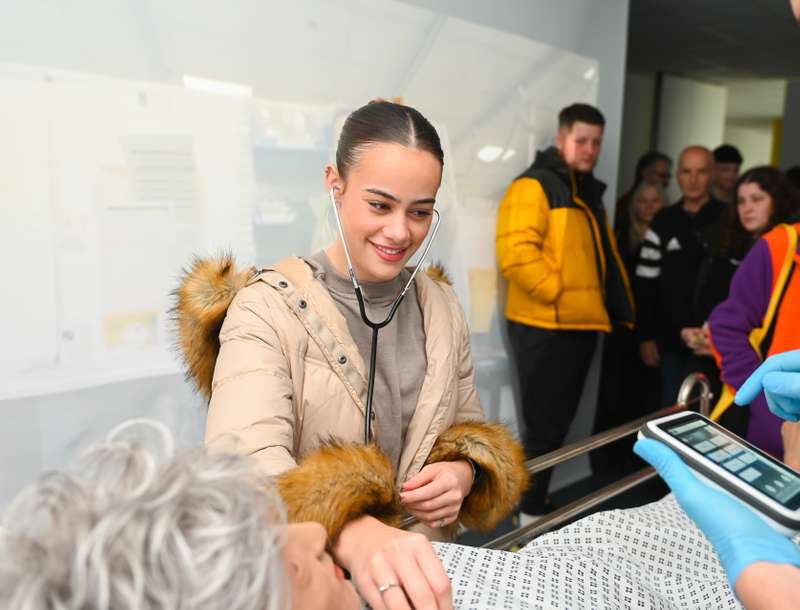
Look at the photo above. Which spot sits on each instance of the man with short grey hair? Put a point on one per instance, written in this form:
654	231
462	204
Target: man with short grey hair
673	249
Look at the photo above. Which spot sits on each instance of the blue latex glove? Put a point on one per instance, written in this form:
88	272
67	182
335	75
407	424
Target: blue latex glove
779	377
739	536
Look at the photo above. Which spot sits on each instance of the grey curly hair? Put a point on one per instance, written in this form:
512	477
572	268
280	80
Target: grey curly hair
136	528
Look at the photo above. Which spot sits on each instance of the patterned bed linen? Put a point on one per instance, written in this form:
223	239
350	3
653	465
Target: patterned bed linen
652	556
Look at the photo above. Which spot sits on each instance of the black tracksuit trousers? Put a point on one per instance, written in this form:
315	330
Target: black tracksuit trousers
551	368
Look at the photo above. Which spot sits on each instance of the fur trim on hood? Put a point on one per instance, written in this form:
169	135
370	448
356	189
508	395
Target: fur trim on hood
202	299
437	271
339	483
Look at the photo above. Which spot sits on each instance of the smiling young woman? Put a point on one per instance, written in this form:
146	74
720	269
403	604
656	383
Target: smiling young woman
286	373
387	199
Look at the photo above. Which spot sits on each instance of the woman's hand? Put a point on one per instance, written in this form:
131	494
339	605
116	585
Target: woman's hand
648	352
434	495
391	568
697	339
687	335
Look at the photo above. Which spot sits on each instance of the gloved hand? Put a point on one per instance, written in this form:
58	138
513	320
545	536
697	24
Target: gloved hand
779	377
739	536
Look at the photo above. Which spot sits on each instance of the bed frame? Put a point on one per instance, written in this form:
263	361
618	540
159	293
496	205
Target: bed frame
694	391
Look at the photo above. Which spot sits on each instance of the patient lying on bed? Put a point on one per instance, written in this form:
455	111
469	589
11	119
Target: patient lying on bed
652	556
136	510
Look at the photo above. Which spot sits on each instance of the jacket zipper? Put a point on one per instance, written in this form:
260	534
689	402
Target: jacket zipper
593	223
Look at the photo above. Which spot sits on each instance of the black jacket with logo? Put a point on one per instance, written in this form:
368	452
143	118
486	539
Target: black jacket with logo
667	272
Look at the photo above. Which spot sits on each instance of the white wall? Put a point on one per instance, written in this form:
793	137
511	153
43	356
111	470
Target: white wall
790	141
637	125
72	181
753	141
691	112
42	432
597	30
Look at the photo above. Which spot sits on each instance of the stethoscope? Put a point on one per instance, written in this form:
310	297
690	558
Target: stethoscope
376	326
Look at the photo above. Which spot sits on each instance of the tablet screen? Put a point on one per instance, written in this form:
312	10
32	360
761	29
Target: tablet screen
755	468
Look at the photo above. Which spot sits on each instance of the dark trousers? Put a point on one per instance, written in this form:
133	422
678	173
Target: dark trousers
628	390
673	372
551	368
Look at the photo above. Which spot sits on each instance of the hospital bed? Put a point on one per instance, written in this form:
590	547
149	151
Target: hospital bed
694	394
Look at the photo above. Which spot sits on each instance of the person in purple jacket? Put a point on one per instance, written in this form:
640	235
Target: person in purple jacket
761	316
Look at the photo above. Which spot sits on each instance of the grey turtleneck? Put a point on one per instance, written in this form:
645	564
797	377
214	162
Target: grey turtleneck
401	361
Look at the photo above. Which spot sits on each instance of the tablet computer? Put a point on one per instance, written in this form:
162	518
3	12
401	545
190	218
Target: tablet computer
728	462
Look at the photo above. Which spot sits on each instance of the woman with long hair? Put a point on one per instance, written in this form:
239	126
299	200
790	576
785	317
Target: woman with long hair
647	200
652	167
291	368
756	317
629	388
764	199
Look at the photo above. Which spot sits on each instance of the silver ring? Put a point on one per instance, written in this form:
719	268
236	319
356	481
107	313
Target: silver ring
443	522
384	588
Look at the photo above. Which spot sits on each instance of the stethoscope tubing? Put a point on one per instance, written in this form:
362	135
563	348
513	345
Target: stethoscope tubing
376	326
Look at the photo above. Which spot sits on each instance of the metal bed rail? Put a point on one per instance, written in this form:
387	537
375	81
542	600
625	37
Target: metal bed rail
609	436
524	534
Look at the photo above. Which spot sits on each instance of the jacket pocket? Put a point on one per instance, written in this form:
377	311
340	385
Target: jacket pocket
549	291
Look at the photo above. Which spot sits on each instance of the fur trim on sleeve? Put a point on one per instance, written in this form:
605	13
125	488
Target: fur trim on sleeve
502	478
339	483
202	299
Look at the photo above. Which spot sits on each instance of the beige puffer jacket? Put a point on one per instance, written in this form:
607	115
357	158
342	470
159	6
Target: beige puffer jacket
289	386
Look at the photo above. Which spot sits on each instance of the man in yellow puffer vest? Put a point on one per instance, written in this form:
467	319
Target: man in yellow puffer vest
565	281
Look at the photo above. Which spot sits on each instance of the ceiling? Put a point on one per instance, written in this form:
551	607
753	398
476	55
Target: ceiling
714	40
